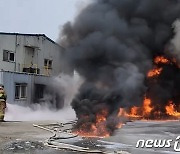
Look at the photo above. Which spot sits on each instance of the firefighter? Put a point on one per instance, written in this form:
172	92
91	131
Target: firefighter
3	98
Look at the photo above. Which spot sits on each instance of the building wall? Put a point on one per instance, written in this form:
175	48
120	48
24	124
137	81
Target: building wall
44	48
7	43
9	80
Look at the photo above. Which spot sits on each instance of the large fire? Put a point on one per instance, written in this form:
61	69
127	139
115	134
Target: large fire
96	129
145	112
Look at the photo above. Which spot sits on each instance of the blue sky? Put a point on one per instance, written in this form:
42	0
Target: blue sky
37	16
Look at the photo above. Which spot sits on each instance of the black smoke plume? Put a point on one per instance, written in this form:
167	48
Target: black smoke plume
112	44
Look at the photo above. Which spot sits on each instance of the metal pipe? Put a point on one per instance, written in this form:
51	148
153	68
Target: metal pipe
15	53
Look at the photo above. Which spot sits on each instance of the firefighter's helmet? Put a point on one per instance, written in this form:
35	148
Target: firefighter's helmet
1	85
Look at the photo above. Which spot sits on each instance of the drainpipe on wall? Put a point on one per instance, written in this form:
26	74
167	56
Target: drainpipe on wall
1	77
15	52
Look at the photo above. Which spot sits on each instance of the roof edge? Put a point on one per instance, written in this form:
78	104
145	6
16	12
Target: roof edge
31	34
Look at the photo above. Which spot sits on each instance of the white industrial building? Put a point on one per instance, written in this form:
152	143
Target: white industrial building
27	63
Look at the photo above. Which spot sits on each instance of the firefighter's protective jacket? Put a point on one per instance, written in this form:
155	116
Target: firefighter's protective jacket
3	96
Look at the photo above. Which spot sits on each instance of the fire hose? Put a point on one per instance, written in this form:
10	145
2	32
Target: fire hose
53	141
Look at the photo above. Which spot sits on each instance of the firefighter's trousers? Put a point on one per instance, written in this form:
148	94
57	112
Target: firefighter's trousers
2	110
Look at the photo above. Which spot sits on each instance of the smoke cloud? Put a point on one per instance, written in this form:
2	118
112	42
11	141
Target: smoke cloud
175	51
111	44
39	113
65	87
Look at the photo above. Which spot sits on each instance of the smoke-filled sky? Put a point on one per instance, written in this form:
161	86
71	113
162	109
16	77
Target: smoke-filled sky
37	16
112	44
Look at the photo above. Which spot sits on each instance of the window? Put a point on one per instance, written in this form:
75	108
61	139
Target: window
8	56
20	91
11	56
39	91
5	55
48	63
45	62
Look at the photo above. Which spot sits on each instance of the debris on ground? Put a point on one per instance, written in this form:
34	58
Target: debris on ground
19	146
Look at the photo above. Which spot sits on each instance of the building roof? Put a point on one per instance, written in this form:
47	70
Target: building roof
43	35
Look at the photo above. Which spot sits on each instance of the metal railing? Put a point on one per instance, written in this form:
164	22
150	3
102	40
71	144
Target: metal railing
45	70
28	66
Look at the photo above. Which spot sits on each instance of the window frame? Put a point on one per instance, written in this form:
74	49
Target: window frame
39	91
48	63
8	59
19	95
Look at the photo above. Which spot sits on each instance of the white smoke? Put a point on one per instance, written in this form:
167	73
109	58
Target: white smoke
38	112
69	86
19	113
176	40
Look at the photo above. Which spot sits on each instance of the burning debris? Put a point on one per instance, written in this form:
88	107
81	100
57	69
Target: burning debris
127	53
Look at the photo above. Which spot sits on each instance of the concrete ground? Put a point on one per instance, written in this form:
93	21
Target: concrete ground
156	130
17	133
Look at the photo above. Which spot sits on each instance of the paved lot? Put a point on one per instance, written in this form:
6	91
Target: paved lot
124	138
138	130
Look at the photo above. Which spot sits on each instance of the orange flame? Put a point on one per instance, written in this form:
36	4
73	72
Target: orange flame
145	111
122	112
147	107
137	112
134	112
97	129
101	117
170	110
154	72
161	59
